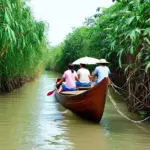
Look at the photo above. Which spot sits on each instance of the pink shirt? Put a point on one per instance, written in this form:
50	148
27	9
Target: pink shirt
70	79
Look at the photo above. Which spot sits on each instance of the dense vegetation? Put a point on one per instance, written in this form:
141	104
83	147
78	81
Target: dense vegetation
22	44
120	34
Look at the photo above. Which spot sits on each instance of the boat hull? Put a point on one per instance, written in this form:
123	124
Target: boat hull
89	104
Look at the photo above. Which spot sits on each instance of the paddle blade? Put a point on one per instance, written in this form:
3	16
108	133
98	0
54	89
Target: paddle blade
50	93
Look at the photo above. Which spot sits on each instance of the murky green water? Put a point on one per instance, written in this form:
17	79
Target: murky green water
29	120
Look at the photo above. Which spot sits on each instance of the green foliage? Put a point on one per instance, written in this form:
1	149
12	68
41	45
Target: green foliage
22	40
120	30
54	58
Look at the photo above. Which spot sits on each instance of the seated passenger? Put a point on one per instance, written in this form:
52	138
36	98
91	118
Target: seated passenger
101	71
83	76
70	77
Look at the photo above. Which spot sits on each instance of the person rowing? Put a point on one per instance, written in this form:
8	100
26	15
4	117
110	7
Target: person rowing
70	77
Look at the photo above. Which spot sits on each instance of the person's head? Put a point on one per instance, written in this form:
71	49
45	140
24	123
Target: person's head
82	65
103	62
71	67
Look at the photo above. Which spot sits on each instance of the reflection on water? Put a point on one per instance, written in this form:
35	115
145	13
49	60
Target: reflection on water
29	120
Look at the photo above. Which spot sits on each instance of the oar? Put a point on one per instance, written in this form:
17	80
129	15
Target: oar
50	92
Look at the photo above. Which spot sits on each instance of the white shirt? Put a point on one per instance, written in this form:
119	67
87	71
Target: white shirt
102	72
84	75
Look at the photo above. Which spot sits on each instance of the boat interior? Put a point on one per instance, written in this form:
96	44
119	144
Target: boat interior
78	91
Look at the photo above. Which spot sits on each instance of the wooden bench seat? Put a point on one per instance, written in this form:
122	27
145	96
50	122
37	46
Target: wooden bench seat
84	87
73	92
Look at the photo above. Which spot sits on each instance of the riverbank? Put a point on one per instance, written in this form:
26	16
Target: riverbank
14	83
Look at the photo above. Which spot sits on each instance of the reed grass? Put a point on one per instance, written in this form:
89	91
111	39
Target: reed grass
22	43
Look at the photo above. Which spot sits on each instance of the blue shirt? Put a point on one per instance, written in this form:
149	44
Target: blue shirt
102	72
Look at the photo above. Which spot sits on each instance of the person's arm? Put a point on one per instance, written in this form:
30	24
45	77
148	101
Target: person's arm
90	77
94	76
60	81
77	76
95	73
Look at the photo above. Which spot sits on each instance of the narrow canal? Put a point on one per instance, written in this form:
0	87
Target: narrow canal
29	120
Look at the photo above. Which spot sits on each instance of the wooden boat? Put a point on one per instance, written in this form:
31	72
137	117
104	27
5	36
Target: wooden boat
86	103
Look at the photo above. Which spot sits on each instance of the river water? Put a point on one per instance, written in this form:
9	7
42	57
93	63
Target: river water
29	120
